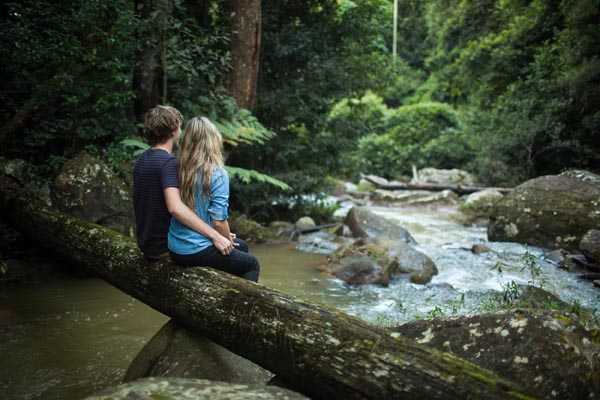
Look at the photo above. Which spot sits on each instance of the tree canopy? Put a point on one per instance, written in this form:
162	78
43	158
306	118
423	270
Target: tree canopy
507	89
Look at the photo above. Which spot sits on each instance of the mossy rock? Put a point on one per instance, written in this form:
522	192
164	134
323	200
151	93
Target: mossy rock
552	211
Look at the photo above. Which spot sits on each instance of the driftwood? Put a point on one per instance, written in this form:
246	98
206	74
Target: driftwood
460	190
324	352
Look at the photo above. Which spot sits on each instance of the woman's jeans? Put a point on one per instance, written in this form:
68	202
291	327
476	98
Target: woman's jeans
238	262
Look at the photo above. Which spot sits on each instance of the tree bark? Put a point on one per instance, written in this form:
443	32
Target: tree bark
150	55
326	353
245	51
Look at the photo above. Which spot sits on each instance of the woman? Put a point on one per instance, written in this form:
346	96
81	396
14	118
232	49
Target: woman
205	189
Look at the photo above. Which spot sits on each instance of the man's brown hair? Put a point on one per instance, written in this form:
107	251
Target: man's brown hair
159	124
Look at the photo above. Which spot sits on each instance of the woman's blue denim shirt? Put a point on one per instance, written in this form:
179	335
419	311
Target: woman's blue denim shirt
183	240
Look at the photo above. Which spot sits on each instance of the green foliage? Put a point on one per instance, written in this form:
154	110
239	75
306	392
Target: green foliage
70	63
423	134
528	73
243	127
247	175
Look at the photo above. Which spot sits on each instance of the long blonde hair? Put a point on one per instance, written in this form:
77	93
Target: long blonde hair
200	152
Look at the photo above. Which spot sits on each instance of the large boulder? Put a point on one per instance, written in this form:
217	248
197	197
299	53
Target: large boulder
378	260
481	203
365	223
192	389
553	211
86	188
416	197
176	351
356	268
445	177
590	245
550	352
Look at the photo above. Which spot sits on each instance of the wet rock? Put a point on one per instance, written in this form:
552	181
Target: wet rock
365	223
176	351
556	256
480	204
343	188
403	259
356	268
365	185
552	211
376	180
445	177
549	352
590	245
379	260
281	228
305	223
415	197
193	389
86	188
479	248
250	231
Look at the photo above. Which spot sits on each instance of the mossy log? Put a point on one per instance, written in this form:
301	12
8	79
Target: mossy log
325	353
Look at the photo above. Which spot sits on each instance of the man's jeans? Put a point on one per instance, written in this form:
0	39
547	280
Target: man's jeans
239	262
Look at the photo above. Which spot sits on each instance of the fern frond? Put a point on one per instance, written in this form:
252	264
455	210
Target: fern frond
243	128
246	175
139	145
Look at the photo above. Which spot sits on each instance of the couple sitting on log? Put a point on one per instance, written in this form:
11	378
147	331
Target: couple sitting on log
181	210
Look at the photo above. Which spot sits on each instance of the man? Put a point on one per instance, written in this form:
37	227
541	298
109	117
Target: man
156	194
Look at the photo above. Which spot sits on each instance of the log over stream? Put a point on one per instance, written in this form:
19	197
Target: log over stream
324	352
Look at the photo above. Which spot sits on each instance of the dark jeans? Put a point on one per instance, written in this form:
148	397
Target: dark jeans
238	262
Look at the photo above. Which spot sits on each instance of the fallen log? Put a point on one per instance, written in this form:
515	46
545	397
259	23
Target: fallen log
325	353
458	189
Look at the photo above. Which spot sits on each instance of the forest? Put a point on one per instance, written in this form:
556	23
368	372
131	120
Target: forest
326	107
307	92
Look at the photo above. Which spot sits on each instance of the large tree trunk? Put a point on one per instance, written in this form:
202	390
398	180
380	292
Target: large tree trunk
245	51
327	353
149	58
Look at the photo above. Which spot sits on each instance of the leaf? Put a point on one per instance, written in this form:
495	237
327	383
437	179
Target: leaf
246	175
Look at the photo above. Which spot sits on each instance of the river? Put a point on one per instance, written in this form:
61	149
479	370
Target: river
67	337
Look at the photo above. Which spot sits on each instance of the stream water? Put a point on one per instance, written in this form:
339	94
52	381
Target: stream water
68	337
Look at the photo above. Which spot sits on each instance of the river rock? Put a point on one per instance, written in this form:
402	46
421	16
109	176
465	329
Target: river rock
590	245
365	223
405	260
415	197
379	260
356	268
193	389
553	211
86	188
480	204
16	168
479	248
305	223
552	353
445	177
176	351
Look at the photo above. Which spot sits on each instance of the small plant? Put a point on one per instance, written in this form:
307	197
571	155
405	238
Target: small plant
510	290
535	271
456	306
510	293
436	312
576	308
